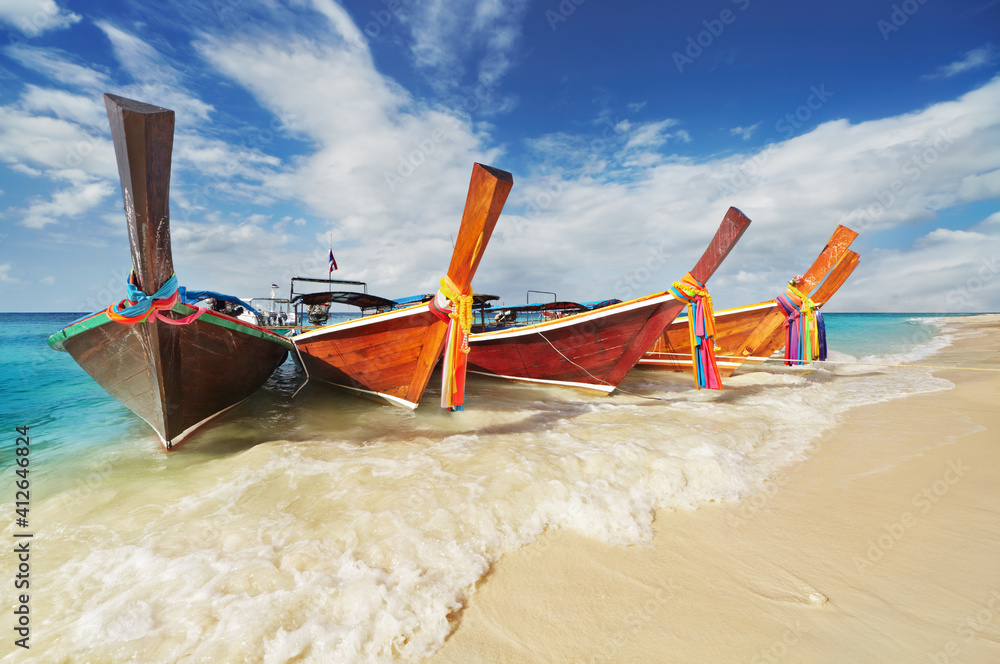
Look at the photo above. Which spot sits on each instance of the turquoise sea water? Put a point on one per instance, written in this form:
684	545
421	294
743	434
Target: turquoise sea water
322	527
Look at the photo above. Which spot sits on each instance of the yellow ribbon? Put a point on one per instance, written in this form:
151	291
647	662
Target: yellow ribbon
461	306
810	332
690	290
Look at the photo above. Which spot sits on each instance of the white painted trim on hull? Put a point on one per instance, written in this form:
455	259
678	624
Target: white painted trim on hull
574	319
606	389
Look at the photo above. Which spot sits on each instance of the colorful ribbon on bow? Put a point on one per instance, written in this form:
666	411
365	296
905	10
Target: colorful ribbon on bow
805	331
138	306
456	309
701	326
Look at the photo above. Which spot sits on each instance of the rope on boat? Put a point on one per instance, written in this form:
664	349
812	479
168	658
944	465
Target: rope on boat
615	387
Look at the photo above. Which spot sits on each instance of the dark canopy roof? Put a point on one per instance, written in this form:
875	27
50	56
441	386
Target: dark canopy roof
360	300
568	307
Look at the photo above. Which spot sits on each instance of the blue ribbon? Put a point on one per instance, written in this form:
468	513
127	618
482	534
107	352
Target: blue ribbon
143	302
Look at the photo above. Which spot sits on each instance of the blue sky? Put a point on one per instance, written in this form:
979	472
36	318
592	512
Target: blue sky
629	128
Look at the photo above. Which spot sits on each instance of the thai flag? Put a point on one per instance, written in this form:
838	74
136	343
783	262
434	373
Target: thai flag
333	262
275	286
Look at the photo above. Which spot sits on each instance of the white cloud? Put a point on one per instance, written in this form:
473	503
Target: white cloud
81	109
33	17
71	202
978	57
378	152
58	66
61	149
154	78
949	271
446	36
870	176
6	277
744	132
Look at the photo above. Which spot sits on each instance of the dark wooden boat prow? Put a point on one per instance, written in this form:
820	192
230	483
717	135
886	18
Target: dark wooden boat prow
177	377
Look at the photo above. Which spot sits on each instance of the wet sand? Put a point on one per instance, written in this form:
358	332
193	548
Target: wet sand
882	546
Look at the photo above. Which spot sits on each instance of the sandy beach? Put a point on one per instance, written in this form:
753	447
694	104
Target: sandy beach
883	545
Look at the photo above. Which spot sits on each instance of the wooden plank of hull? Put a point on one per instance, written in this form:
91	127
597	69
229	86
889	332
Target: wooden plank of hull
393	354
745	333
382	354
176	377
594	349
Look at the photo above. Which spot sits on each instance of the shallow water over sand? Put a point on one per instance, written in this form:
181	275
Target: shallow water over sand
328	528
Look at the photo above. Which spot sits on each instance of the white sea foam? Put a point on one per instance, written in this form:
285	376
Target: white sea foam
356	542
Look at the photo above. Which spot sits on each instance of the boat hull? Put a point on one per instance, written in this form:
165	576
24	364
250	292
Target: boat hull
591	350
389	355
672	351
175	377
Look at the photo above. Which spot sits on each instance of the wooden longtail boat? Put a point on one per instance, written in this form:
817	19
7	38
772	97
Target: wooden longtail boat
776	340
594	349
754	332
392	354
174	365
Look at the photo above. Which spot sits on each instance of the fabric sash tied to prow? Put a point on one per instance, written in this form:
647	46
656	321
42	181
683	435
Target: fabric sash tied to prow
456	309
805	331
138	307
701	327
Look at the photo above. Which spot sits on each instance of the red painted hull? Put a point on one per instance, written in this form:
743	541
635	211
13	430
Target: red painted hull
389	355
591	350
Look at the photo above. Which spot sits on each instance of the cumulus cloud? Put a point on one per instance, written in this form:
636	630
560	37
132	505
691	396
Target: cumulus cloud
33	17
948	271
71	202
389	169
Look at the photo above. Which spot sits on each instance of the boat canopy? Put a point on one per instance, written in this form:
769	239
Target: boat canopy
478	299
413	299
562	307
194	296
360	300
